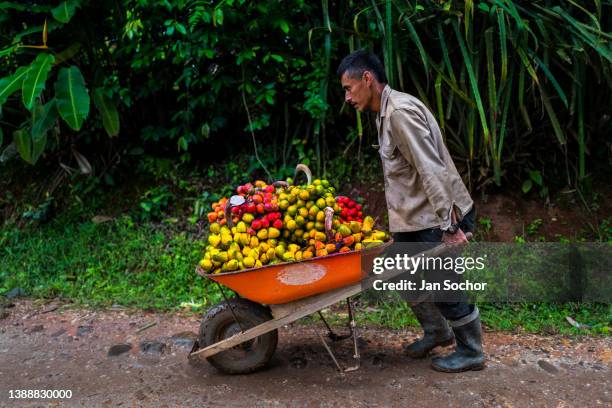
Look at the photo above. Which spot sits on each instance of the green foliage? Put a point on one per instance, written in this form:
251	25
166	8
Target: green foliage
154	203
117	262
71	97
514	85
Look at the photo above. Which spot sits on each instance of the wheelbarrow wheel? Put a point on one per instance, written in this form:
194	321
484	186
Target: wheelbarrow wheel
219	323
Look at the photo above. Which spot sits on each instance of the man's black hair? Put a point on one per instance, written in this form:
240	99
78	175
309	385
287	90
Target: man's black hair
356	63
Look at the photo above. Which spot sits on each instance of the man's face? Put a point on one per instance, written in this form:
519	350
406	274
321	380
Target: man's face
358	91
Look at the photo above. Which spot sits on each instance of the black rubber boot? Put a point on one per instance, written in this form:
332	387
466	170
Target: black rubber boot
468	354
435	329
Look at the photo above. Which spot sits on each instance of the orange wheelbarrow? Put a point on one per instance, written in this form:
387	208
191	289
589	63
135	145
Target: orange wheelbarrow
239	335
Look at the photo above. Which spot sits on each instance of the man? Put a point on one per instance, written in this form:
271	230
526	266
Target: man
427	200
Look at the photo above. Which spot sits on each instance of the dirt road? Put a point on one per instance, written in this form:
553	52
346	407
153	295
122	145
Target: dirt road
48	348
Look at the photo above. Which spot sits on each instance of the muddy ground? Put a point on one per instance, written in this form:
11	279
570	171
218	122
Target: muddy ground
56	347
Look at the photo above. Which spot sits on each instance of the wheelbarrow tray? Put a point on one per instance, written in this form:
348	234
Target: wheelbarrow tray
290	281
287	313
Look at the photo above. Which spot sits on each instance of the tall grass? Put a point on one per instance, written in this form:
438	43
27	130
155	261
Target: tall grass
499	74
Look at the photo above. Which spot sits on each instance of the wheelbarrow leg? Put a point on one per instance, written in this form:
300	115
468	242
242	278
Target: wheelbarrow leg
353	330
352	333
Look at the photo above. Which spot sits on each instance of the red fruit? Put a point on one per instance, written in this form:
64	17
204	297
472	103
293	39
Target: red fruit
212	217
358	207
257	198
235	210
250	208
260	208
278	224
359	214
265	223
349	218
268	207
351	204
251	231
256	224
269	189
344	213
353	212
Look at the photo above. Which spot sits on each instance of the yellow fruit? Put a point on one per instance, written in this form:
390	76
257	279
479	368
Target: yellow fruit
291	225
248	218
320	217
299	220
264	259
320	236
279	250
263	246
273	233
380	235
357	237
262	233
330	248
321	252
320	226
355	227
304	195
271	253
215	227
358	247
367	225
344	230
254	242
283	204
298	256
307	254
312	213
369	242
226	240
206	264
241	226
214	240
310	225
258	264
292	210
244	239
321	203
303	211
221	257
293	248
288	257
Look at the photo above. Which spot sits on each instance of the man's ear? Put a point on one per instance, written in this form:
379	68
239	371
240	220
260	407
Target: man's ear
368	77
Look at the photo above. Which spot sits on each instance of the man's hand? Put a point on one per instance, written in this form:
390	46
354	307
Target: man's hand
456	238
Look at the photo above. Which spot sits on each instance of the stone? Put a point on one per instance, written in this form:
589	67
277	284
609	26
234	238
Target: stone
58	333
81	330
119	349
548	367
184	339
35	329
153	347
15	292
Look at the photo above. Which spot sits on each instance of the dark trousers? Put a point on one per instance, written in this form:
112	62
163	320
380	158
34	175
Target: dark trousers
450	310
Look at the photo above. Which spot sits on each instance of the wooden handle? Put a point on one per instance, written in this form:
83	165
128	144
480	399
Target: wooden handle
329	218
304	168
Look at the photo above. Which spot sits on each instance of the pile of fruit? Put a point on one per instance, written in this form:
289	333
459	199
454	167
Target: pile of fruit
282	222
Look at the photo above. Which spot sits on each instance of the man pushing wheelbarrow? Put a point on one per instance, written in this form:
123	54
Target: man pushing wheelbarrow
427	202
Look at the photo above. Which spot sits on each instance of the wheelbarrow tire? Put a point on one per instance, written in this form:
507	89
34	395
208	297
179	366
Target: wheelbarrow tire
219	323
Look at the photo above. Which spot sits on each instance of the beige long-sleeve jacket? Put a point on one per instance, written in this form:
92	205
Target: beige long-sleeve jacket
421	181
